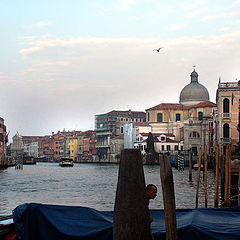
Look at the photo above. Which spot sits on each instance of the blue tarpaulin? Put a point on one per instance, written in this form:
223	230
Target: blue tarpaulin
53	222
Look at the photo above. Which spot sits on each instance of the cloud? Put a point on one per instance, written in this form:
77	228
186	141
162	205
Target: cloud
79	77
39	24
126	4
222	15
133	18
55	63
195	13
30	50
177	26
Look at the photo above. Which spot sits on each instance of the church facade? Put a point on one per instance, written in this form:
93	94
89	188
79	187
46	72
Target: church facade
190	120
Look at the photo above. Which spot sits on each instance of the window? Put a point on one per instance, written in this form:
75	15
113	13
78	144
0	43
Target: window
162	138
176	147
168	147
226	105
194	134
200	115
162	147
121	129
181	148
159	117
226	130
178	117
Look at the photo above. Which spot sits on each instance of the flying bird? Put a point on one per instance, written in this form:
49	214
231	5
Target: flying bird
157	49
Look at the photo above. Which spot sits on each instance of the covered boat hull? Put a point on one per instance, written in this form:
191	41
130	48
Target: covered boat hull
52	222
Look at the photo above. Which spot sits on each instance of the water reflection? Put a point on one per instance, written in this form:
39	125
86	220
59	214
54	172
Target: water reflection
89	185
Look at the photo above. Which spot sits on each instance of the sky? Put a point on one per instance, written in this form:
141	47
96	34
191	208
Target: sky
64	61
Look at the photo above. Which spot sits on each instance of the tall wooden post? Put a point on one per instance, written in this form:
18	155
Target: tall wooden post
198	177
229	176
131	217
217	178
226	177
169	199
205	174
190	165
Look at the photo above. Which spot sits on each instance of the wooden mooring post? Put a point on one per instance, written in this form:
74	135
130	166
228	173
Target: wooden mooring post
168	198
226	177
131	216
205	175
217	178
198	176
190	165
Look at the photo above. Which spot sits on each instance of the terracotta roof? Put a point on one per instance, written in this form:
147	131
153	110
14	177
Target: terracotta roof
170	140
166	106
177	106
202	104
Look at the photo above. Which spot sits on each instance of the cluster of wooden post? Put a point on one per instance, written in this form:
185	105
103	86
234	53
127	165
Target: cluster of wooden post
226	176
131	215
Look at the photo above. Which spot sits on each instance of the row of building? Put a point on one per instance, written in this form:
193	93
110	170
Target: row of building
188	125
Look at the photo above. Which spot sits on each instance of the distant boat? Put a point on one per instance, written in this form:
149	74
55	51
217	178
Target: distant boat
66	162
28	160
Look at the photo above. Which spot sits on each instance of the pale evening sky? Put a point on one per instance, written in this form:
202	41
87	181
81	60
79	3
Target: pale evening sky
64	61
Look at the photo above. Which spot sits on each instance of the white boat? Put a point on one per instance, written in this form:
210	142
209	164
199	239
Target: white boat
66	162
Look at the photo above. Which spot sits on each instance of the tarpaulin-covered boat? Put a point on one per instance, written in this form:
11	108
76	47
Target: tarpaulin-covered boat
53	222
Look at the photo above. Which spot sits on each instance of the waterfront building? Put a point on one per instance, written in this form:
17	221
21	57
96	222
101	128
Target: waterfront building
71	147
89	146
163	143
27	140
109	129
17	147
189	120
3	144
31	149
228	115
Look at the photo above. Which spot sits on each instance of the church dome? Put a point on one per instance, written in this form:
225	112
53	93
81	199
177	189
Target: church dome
194	92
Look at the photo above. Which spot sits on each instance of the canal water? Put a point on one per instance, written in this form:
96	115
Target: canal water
90	185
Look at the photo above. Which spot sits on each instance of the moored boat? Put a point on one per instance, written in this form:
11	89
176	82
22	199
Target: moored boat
66	162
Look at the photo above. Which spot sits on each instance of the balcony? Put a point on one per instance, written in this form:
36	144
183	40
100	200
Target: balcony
226	115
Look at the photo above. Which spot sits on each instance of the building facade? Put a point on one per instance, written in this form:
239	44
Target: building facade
227	117
109	129
3	144
190	120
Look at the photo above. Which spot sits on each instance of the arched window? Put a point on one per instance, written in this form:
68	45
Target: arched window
200	115
226	105
226	130
159	117
178	117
